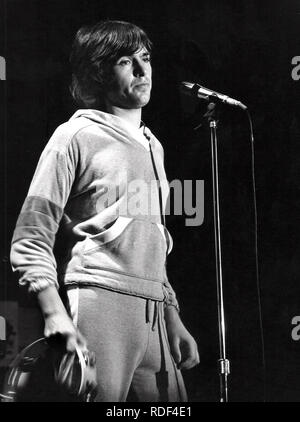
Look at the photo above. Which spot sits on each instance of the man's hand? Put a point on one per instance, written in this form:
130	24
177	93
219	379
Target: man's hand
60	323
183	346
57	320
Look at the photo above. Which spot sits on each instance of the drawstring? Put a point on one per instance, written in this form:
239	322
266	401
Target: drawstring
147	311
155	315
155	312
163	375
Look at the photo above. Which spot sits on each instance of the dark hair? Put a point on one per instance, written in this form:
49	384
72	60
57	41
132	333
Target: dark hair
95	49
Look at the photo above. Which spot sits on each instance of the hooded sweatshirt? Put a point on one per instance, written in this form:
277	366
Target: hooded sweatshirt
100	187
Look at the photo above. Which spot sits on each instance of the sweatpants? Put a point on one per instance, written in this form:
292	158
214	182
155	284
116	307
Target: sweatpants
128	336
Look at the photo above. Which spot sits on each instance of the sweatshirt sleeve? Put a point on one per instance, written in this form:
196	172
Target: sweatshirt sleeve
170	295
32	256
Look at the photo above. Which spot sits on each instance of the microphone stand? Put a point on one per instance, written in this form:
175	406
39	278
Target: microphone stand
223	362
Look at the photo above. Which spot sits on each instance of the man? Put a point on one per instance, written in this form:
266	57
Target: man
122	305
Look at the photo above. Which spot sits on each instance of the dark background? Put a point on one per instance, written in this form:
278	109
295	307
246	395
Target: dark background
244	49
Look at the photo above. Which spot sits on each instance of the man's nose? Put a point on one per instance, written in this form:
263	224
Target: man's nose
139	68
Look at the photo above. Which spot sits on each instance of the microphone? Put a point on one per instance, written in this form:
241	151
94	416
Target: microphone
207	94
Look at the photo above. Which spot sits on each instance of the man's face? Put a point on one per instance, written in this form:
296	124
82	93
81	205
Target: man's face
131	81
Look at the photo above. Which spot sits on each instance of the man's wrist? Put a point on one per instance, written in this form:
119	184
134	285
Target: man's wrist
50	302
171	313
170	305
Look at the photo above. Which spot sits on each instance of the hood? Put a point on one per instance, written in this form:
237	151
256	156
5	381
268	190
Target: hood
117	123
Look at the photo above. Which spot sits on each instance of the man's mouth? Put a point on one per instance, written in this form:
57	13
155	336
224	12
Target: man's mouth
142	84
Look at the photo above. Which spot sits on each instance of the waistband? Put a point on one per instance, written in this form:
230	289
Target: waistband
148	289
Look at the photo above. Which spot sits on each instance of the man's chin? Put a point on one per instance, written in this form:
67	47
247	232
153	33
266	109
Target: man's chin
141	101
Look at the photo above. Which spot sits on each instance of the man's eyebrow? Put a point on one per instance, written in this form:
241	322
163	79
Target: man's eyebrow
142	53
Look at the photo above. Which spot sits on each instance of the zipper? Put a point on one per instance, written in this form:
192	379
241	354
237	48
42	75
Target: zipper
162	216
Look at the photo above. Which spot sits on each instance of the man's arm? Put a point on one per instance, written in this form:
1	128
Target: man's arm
32	256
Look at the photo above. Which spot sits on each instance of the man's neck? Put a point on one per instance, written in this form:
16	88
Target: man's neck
132	116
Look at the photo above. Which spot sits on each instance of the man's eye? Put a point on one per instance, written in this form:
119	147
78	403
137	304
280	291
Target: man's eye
124	62
147	59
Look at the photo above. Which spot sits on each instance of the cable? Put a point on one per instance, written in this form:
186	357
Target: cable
256	253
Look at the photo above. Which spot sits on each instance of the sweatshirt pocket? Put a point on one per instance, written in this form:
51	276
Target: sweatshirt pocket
109	235
131	247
